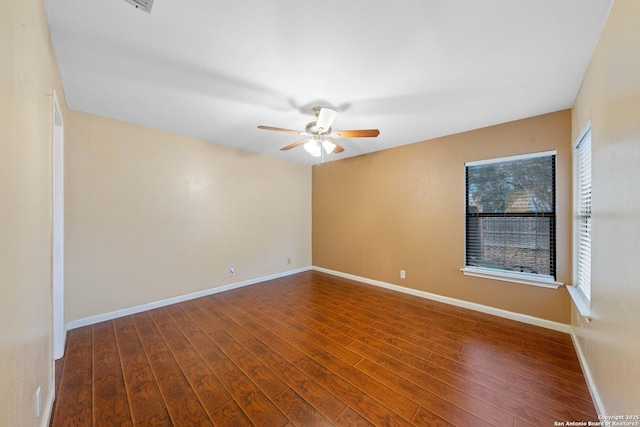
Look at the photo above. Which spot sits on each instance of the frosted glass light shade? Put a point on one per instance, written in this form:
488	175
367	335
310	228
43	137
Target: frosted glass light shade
325	119
313	148
328	146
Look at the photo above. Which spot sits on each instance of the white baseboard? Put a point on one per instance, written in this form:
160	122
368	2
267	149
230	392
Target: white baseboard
591	384
150	306
556	326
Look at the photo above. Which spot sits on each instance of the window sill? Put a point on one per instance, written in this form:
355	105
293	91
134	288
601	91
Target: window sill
512	276
580	302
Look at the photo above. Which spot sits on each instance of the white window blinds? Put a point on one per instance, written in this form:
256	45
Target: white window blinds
583	201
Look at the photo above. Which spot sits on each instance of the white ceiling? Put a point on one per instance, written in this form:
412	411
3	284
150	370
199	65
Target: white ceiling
415	69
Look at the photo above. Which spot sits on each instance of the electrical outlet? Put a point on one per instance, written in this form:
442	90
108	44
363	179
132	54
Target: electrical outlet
288	261
232	269
402	274
38	402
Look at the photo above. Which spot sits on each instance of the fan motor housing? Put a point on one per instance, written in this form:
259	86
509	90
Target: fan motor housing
311	129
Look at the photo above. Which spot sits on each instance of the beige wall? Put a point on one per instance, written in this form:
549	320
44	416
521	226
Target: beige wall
28	74
403	208
610	98
152	215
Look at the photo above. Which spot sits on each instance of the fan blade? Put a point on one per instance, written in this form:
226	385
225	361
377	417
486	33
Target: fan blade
295	144
362	133
299	132
325	119
338	148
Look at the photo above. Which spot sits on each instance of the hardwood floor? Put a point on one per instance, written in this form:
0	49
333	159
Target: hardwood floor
313	350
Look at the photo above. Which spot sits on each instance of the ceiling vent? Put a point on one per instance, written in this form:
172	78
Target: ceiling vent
142	4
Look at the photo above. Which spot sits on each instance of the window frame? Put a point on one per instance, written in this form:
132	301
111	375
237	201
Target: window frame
533	279
578	293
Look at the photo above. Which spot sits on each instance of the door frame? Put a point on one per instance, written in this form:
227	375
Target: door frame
59	332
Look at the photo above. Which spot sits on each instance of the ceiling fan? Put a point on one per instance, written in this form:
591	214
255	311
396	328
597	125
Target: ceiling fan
321	135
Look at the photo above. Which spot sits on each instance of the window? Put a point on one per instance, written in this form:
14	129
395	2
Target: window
582	190
511	219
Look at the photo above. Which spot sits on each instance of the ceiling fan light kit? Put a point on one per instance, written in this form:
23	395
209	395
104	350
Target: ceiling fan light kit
320	131
313	148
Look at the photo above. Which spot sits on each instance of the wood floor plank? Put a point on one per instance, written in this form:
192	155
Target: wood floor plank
74	402
377	317
318	327
568	396
181	401
298	410
406	306
426	418
470	363
325	402
318	397
535	365
110	405
351	418
315	349
59	364
510	400
490	326
202	379
568	362
230	414
412	330
157	419
495	337
420	346
522	423
143	392
520	390
462	398
110	402
365	405
399	404
297	330
106	361
356	323
247	394
338	324
261	375
158	354
428	400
